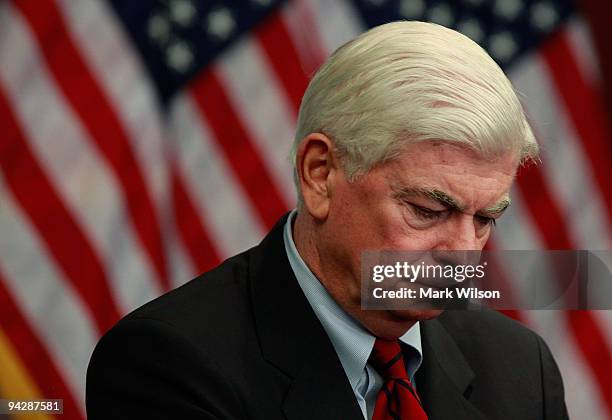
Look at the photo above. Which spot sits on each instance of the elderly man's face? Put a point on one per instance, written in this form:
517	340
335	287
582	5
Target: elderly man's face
435	196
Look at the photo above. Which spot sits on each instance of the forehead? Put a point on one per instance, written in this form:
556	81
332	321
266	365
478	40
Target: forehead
451	168
427	155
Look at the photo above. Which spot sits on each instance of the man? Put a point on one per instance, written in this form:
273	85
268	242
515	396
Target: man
409	138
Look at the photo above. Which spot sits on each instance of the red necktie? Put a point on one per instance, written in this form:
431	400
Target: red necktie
397	398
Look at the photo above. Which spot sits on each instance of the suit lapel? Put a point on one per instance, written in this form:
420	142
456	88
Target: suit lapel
444	379
293	340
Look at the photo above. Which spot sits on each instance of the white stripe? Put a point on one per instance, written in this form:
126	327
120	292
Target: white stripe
181	266
604	320
113	61
336	21
517	231
261	103
57	314
582	46
299	20
74	168
564	164
581	393
210	181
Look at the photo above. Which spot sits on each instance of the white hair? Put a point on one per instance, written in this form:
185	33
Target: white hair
407	82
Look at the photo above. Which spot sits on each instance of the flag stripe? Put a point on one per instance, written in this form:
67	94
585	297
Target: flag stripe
551	226
64	239
581	44
543	208
233	139
584	110
503	282
47	121
115	65
191	229
91	105
336	22
604	319
234	226
275	42
581	393
516	231
561	149
299	18
33	353
48	300
256	96
595	351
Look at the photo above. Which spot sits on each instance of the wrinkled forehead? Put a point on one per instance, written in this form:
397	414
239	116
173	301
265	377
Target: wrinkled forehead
439	153
445	170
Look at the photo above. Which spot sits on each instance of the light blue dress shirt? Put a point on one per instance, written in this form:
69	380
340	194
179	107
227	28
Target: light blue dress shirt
352	342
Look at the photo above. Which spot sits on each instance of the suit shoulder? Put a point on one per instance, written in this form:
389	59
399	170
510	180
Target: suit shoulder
210	290
214	304
488	328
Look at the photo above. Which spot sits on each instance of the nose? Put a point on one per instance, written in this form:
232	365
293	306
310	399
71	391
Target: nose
460	243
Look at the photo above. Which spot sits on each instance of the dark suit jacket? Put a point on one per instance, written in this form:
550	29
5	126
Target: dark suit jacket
242	342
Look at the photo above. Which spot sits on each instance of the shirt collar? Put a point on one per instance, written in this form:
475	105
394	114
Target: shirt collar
352	342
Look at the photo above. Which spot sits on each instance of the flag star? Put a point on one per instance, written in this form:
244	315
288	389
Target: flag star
179	56
543	16
471	28
508	9
158	28
412	9
503	46
182	12
220	23
442	15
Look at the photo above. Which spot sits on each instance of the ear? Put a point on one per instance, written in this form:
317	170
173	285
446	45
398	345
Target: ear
316	167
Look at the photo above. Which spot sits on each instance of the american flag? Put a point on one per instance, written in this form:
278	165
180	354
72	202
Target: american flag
142	142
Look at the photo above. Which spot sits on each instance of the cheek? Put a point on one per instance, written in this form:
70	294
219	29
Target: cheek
416	240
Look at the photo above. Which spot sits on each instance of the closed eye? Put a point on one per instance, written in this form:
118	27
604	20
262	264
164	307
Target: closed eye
426	213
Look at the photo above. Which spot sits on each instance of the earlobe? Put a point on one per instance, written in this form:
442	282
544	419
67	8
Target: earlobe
316	164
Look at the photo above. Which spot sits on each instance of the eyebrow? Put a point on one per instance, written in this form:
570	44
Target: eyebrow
448	201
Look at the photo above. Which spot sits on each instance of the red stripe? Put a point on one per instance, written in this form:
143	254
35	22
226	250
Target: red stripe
594	347
540	203
57	228
585	110
502	282
587	335
92	107
35	358
275	41
309	45
598	14
232	137
191	228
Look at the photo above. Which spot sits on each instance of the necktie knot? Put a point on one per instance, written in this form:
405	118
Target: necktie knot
397	398
388	360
